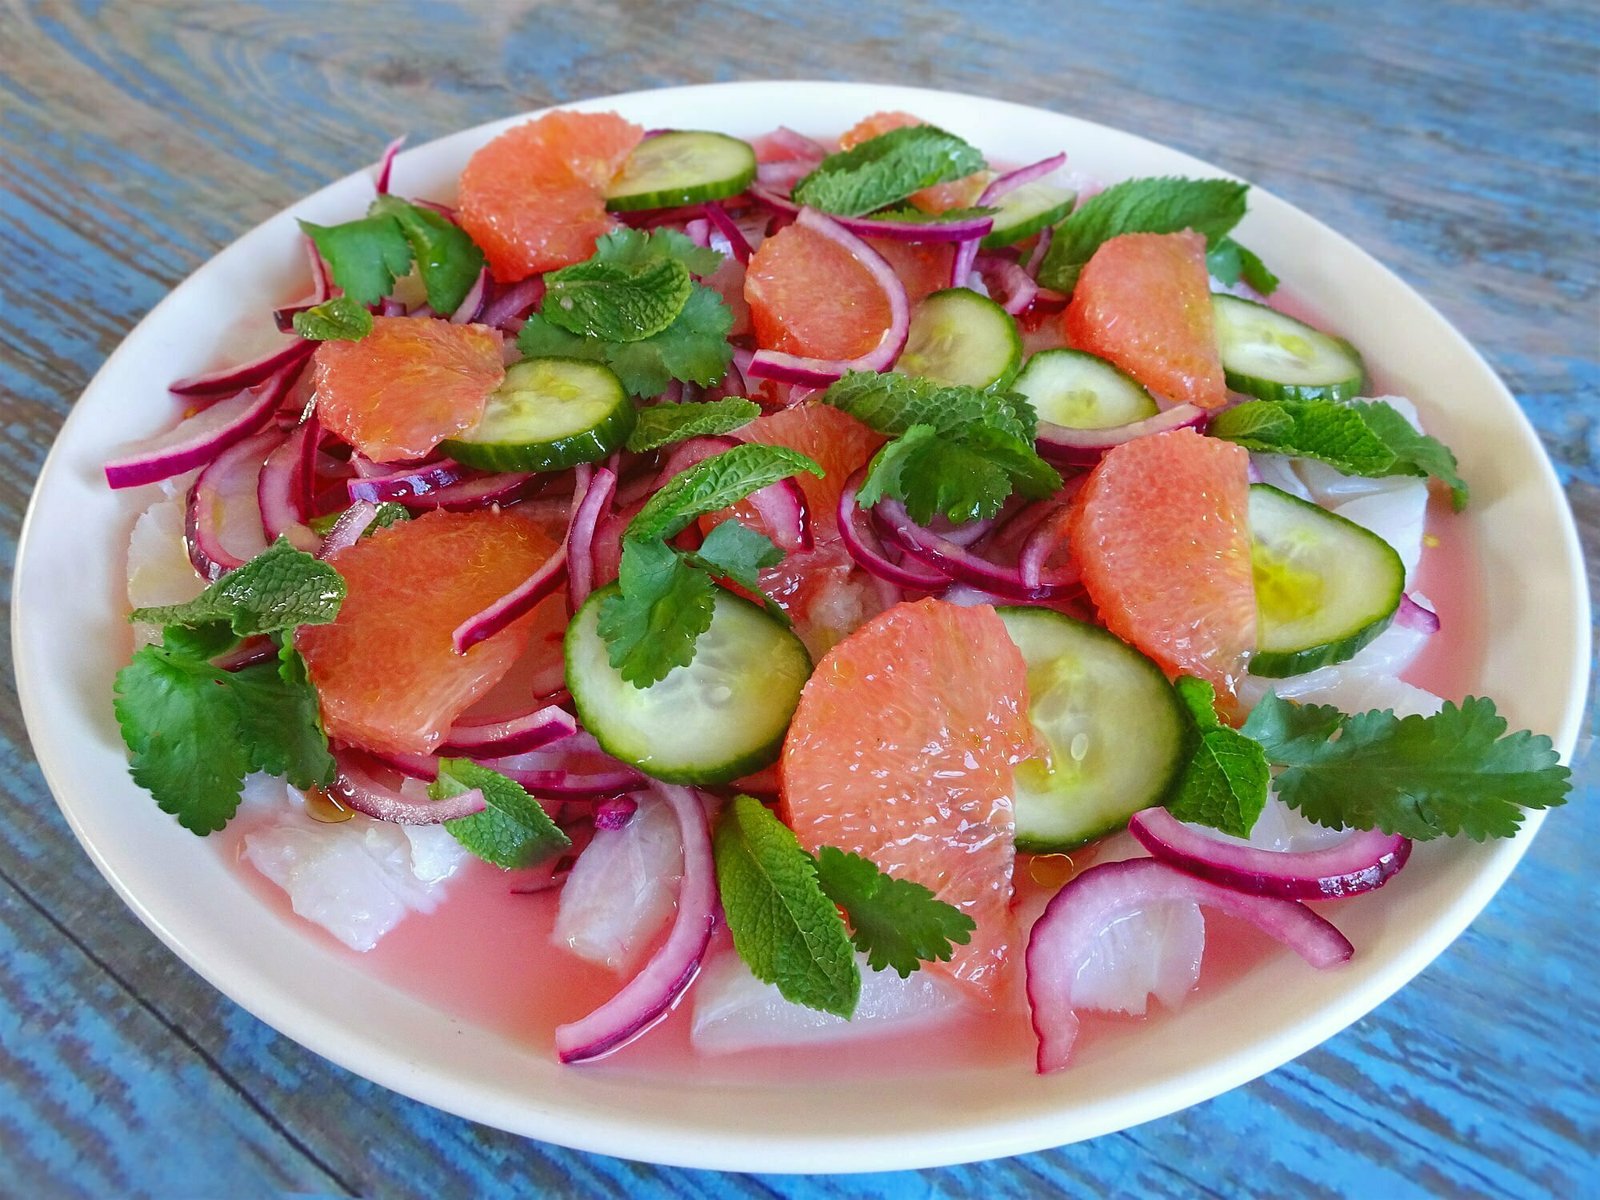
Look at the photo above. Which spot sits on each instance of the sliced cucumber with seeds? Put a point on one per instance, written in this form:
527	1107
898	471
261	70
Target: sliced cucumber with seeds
958	336
1274	357
1080	391
1027	210
722	716
682	167
1113	727
549	414
1325	586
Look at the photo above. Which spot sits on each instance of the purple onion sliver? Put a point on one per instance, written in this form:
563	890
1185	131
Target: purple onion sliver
472	302
386	164
516	603
961	264
513	303
1040	249
321	280
586	511
967	229
1414	614
472	493
199	440
1004	185
1085	446
355	787
280	489
228	380
862	544
729	228
349	527
698	231
1012	288
406	484
963	565
232	477
615	813
511	735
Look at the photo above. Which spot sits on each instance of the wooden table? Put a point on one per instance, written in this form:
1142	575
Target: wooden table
1458	143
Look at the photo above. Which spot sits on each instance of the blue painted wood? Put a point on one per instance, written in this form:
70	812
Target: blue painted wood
1457	142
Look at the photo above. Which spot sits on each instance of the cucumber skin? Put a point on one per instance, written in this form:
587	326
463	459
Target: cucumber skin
1026	229
590	445
1266	389
1281	664
696	194
745	764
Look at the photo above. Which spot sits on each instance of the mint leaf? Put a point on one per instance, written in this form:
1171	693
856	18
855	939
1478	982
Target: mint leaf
1161	205
737	552
663	424
713	484
959	452
662	606
338	320
1230	262
277	590
786	930
180	721
1457	771
894	922
279	723
886	169
364	257
633	248
1419	453
1226	780
512	831
447	258
617	304
1337	434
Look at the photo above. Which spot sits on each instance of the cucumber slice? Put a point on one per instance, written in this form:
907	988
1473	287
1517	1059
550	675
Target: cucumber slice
1325	586
1078	390
1026	211
722	716
549	414
958	336
1274	357
1114	727
682	167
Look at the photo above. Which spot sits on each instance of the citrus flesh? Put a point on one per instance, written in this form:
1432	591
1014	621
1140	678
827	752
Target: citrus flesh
810	296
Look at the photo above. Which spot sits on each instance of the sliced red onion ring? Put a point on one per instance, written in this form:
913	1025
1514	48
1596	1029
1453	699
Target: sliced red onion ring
473	493
591	498
321	280
281	488
962	565
228	380
472	303
1085	446
1040	249
222	522
386	164
1064	937
574	766
1046	536
347	530
406	483
356	787
961	265
651	994
966	229
513	303
202	437
1009	286
817	372
514	604
1363	861
1414	613
1003	185
862	544
698	231
776	177
729	228
510	735
615	813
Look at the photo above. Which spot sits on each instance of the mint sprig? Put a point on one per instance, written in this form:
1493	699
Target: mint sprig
277	590
663	424
1224	784
512	831
886	170
338	320
1230	262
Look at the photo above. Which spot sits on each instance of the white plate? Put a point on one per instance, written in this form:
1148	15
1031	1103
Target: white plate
68	637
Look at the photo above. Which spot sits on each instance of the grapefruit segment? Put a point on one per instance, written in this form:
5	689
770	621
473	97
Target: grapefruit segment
902	750
1161	531
1144	302
385	672
810	296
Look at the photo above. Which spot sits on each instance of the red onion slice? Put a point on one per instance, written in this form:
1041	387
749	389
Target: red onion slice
784	144
781	505
510	735
356	787
1085	446
1363	861
1040	249
574	767
472	303
1004	185
1414	613
386	164
652	993
282	487
964	230
615	813
347	530
1036	550
405	484
590	499
200	439
816	372
1064	937
514	604
855	531
228	380
1009	286
963	565
961	265
513	304
222	522
473	493
729	228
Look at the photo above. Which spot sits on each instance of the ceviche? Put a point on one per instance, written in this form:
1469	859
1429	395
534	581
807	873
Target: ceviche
952	581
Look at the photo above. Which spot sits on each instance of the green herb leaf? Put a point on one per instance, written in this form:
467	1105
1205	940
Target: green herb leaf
886	169
1226	780
786	930
714	483
387	514
279	724
447	258
617	304
512	831
663	605
894	922
364	257
737	552
663	424
1163	205
1457	771
1231	262
338	320
958	451
632	249
278	589
1419	453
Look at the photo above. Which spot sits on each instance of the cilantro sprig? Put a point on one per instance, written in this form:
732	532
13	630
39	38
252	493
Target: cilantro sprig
366	256
635	307
886	170
783	909
957	451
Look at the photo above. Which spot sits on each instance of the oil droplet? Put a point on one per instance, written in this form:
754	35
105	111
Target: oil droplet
322	807
1052	870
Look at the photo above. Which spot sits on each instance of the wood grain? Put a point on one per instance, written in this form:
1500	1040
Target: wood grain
1458	143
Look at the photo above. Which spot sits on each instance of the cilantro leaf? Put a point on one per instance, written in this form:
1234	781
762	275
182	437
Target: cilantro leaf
714	483
1158	205
894	922
958	451
886	169
448	260
1231	262
601	300
1226	781
1291	733
512	831
363	256
277	590
663	605
1419	453
787	931
180	721
662	424
338	320
388	512
206	640
279	724
734	550
1457	771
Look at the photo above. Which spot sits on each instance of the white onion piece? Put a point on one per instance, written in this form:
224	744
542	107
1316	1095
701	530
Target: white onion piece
1149	951
622	887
